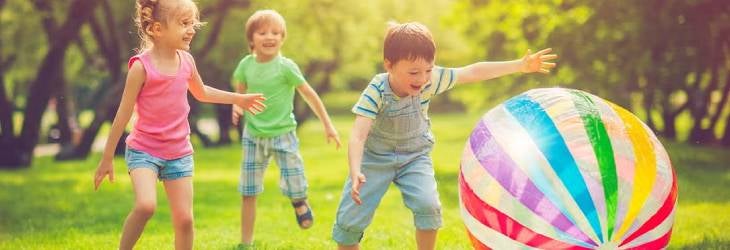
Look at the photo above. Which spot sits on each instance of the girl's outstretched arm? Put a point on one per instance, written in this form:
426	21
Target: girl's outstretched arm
250	102
132	87
315	103
537	62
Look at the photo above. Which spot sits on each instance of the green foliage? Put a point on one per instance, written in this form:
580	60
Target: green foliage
611	48
504	30
22	39
53	206
614	49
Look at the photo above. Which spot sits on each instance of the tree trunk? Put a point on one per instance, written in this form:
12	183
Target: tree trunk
670	129
223	116
702	99
223	112
323	70
38	93
6	106
698	111
648	102
67	121
709	132
105	110
107	39
725	141
8	151
656	48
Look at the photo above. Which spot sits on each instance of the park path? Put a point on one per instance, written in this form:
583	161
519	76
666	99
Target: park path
207	125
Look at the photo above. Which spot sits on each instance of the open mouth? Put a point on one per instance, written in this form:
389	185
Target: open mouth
415	87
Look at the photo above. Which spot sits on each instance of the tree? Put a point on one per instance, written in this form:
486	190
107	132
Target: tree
660	58
17	151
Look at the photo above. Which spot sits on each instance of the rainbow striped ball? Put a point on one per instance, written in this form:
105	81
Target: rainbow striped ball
559	168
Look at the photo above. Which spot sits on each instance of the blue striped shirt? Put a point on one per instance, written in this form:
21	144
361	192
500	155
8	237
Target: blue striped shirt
370	102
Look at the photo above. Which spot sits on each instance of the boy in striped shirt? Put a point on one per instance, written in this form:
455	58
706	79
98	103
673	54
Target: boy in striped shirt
391	139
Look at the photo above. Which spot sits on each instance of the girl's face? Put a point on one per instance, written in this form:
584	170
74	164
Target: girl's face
178	32
407	77
267	41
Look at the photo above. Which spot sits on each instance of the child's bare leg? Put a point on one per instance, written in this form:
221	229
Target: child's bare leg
248	217
353	247
145	202
180	195
426	239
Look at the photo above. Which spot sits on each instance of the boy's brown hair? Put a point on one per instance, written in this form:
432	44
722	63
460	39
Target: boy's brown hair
261	18
408	41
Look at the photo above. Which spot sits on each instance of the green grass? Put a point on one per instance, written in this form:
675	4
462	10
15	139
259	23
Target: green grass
53	206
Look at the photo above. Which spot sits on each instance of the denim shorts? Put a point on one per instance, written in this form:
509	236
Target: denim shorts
165	169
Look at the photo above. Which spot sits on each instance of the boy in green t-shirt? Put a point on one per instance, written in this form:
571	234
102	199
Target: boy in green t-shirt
273	132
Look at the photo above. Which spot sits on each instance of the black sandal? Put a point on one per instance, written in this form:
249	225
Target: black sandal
307	216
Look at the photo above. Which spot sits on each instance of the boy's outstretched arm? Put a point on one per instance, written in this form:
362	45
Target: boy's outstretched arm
537	62
315	103
355	149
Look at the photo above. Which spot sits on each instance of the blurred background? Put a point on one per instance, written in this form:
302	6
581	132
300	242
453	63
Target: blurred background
63	63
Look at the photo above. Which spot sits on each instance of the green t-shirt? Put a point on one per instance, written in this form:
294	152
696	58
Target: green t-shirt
277	79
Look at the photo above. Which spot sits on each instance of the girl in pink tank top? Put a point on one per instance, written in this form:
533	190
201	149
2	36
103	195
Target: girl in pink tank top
158	146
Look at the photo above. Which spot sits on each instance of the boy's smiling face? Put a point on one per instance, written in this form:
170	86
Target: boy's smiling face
407	77
267	41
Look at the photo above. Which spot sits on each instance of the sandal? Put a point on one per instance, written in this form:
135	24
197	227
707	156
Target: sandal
307	216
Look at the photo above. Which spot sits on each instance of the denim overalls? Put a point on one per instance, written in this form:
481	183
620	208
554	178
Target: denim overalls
397	150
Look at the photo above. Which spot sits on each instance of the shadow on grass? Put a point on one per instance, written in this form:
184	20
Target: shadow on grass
35	202
703	174
707	244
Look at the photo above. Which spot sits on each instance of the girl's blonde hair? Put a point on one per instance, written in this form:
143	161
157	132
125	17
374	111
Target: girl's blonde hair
262	18
150	11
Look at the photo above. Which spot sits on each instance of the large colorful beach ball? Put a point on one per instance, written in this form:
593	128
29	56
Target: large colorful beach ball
559	168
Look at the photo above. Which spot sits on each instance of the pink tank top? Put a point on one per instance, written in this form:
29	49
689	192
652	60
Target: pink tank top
162	129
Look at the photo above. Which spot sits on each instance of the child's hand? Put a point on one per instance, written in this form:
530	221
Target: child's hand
332	135
357	180
236	113
106	167
251	102
537	62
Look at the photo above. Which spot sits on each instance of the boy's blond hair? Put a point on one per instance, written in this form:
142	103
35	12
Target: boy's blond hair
262	18
408	41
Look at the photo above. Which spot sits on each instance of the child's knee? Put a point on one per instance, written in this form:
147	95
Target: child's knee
183	220
145	208
426	214
347	234
294	187
350	226
248	189
425	206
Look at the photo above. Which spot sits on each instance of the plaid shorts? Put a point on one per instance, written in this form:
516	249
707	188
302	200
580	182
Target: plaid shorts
256	154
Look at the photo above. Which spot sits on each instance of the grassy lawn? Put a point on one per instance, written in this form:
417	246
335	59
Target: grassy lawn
53	205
